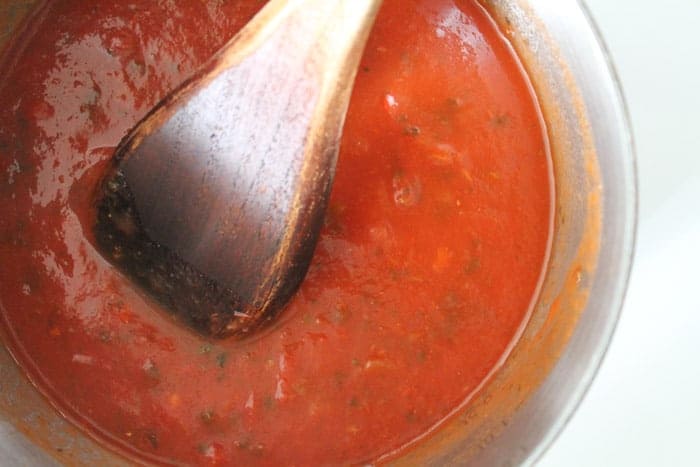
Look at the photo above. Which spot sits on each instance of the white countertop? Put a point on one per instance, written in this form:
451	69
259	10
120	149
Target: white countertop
644	406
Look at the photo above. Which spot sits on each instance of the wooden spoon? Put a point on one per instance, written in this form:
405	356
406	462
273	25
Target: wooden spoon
215	199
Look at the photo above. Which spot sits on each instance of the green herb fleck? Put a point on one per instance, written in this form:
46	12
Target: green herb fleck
500	121
221	359
269	402
207	416
472	266
339	314
152	439
411	130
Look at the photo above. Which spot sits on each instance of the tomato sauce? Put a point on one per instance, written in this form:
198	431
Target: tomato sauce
424	274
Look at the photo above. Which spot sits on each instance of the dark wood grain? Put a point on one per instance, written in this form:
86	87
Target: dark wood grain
216	198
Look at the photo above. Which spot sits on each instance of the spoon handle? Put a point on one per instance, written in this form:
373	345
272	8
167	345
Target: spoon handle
231	173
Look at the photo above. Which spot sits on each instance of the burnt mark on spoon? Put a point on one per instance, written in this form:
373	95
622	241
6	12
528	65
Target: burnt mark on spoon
194	298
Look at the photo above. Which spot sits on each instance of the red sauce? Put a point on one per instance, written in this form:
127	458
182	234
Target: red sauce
433	247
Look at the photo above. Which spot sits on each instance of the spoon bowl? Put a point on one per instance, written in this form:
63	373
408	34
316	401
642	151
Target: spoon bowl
216	198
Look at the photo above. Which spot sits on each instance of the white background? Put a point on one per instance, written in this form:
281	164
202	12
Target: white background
644	406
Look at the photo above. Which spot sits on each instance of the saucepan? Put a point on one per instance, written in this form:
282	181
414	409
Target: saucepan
519	411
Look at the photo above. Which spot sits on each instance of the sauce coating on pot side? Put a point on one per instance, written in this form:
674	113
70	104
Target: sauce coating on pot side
432	249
